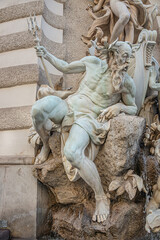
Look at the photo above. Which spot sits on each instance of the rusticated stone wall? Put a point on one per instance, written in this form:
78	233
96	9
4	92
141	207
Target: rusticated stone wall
22	198
19	76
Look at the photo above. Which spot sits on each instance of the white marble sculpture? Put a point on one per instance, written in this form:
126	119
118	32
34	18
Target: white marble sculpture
105	91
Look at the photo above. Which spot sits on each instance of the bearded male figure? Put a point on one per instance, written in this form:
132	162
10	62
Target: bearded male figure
105	91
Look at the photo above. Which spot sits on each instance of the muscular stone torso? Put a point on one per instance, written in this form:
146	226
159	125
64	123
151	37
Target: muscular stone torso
97	87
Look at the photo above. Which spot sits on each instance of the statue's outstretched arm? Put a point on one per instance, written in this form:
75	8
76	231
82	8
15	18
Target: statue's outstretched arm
62	66
152	80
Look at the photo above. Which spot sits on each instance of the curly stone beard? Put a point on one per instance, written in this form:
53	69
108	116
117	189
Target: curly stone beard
118	71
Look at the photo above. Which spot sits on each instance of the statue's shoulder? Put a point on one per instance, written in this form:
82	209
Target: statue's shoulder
91	60
130	84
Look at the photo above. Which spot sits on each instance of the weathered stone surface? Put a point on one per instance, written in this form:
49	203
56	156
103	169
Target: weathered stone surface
74	222
24	202
150	167
52	19
16	41
61	1
4	234
58	49
118	153
15	118
147	236
76	20
53	175
18	75
14	143
15	11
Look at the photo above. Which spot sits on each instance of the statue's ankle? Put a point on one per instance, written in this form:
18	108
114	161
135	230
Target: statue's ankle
101	197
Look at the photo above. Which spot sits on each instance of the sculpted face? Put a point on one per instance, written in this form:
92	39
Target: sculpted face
120	63
124	54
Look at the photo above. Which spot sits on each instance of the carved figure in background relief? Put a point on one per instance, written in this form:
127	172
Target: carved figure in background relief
123	19
105	91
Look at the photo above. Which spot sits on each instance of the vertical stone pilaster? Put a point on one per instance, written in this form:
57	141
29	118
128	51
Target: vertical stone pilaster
23	201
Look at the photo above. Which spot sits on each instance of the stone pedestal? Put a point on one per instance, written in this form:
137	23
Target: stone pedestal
23	201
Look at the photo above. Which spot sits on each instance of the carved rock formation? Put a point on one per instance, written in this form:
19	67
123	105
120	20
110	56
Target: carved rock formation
118	153
73	203
52	174
74	222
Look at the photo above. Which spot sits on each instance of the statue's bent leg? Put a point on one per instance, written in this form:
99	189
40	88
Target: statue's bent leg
45	110
74	148
121	11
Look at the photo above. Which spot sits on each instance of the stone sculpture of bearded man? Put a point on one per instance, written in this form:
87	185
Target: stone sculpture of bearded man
105	91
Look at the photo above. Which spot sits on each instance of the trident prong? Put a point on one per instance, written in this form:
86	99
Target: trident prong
29	26
35	21
33	28
33	25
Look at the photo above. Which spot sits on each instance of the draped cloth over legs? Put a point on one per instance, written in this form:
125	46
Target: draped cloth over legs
96	131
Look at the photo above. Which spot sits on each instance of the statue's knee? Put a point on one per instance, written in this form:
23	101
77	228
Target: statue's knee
37	114
73	155
69	152
125	18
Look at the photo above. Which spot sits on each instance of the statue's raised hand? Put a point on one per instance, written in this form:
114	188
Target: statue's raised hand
109	113
41	51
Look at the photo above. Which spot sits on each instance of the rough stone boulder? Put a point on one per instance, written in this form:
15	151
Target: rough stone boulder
73	202
118	153
74	222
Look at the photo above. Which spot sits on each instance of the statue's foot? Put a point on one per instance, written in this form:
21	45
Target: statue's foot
43	155
102	209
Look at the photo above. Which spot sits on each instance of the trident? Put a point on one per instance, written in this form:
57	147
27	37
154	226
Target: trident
33	28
